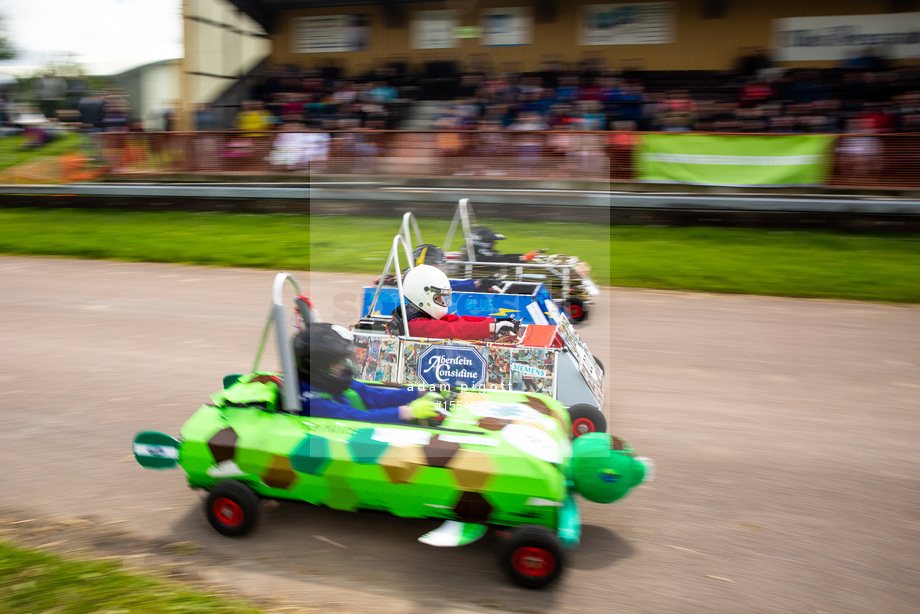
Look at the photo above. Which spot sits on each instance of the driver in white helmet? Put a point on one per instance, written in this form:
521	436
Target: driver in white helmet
427	291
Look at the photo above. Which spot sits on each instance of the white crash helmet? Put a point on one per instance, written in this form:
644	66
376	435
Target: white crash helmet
428	289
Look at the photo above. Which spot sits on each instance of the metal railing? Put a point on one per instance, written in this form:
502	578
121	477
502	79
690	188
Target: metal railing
882	161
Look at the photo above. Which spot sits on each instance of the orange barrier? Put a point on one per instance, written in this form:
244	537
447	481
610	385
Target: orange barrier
67	168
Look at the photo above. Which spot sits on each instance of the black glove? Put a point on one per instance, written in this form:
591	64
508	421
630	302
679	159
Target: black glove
506	326
489	283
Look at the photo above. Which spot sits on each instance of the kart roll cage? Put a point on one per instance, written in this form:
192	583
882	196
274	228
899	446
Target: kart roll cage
575	367
464	219
393	261
290	397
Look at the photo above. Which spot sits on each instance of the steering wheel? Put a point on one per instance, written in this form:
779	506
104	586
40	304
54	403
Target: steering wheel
514	338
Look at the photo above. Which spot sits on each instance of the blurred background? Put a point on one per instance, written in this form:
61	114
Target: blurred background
825	94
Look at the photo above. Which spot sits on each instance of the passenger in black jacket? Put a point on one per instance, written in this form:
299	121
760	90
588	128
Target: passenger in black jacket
484	239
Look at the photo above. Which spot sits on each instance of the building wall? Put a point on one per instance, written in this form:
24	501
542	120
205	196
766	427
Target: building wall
221	45
699	43
159	92
151	89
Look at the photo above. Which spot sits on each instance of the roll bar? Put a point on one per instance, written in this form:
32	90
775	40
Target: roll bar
393	261
461	218
290	397
406	229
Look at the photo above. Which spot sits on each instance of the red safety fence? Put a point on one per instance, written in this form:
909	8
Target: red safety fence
882	161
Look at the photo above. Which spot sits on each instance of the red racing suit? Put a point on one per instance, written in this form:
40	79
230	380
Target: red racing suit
451	326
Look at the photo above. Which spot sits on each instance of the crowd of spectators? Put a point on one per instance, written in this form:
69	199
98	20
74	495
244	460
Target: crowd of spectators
765	100
291	116
325	98
755	97
861	98
57	105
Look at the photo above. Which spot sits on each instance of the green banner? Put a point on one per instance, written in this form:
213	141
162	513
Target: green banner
734	160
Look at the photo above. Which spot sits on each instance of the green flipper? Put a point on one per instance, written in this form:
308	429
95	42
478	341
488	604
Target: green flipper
453	533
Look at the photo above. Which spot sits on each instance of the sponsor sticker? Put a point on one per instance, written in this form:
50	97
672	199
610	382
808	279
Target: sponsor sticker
451	364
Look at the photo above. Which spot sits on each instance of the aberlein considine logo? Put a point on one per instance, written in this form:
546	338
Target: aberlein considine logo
453	365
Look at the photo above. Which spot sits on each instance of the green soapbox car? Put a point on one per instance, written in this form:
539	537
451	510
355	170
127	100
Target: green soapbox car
500	459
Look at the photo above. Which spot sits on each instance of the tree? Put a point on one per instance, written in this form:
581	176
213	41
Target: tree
7	52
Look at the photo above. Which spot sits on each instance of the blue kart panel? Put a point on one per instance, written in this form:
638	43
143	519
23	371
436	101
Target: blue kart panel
522	301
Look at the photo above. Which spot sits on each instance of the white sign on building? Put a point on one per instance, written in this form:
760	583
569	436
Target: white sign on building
650	23
507	26
328	34
434	29
892	36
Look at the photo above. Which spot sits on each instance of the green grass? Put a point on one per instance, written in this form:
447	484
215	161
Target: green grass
11	152
33	581
810	264
816	264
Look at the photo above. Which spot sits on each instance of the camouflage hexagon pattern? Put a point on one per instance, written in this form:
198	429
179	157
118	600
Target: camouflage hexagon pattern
466	469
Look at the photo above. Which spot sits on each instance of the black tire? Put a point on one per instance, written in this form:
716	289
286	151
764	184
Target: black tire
232	508
599	363
532	557
587	419
576	309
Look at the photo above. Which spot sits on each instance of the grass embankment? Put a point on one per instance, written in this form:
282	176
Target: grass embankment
33	581
814	264
59	161
12	150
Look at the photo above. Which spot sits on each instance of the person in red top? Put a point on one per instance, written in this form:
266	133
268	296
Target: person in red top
427	290
756	93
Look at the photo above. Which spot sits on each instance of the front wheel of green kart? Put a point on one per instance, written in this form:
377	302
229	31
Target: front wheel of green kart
232	508
587	419
532	556
576	309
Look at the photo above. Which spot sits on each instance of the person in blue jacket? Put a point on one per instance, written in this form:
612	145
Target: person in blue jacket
324	354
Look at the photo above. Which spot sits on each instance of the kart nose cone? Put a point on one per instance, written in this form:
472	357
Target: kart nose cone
604	467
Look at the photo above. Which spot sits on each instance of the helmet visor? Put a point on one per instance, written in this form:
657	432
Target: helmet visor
342	368
441	296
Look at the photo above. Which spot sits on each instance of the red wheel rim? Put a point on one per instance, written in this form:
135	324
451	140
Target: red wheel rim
582	426
576	311
227	511
535	562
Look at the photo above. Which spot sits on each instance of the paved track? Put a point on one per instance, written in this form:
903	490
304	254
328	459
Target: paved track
785	433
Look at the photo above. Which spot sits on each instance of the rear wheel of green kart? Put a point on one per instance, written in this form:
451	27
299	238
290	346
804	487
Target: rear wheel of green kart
576	309
587	419
232	508
532	556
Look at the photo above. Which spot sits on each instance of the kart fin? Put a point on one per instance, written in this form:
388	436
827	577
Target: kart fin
453	533
155	450
569	523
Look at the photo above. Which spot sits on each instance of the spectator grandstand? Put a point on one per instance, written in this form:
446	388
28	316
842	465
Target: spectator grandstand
577	115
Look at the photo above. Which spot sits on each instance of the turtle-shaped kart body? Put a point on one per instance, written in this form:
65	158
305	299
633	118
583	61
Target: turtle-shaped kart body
498	459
